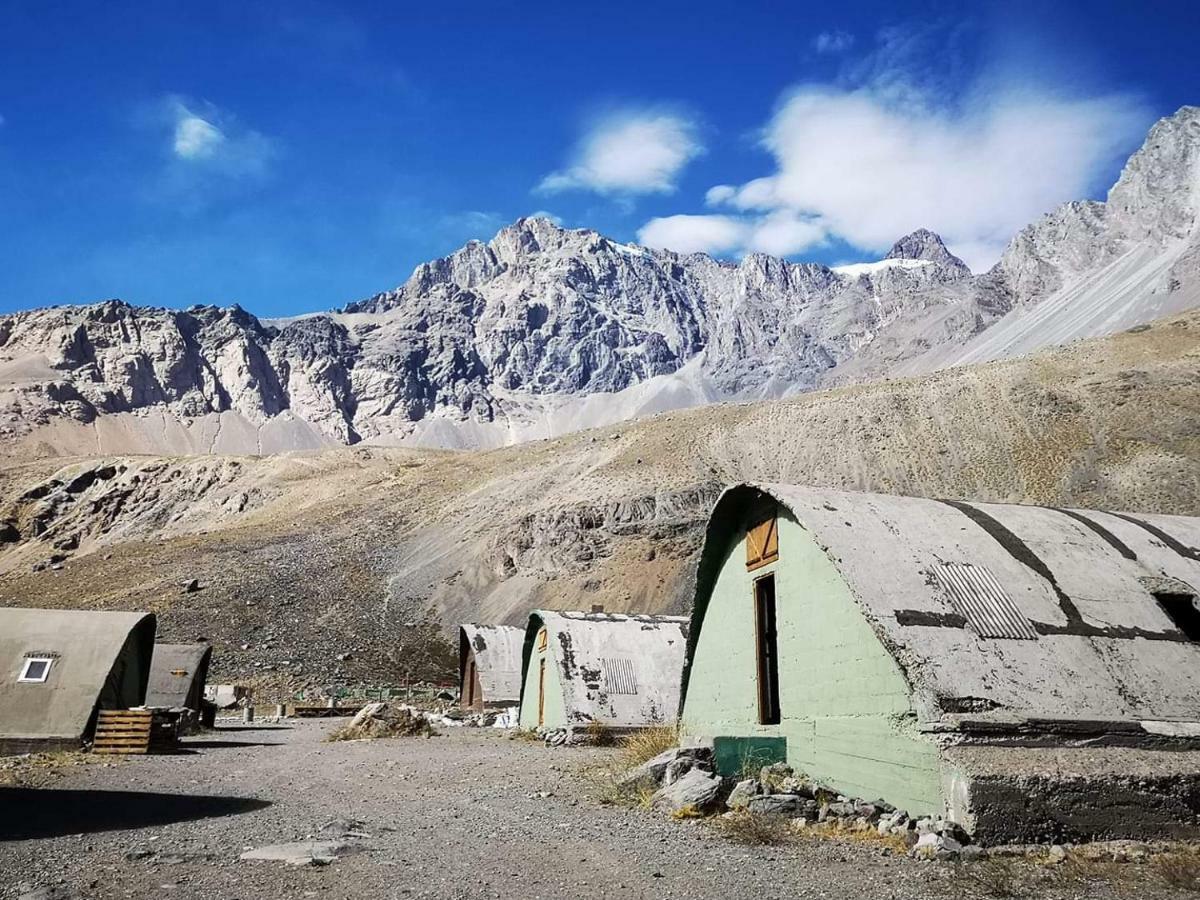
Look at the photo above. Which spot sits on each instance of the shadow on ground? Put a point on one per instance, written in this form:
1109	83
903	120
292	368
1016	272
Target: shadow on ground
27	813
185	746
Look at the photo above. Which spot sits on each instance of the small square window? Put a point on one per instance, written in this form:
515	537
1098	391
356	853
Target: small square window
36	670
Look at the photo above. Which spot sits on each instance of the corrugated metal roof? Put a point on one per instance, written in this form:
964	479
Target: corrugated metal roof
978	597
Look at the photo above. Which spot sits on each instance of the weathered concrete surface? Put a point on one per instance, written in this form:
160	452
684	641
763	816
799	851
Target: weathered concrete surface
619	670
1074	793
909	626
496	651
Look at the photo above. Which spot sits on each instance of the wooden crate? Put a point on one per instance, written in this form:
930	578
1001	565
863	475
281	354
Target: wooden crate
137	731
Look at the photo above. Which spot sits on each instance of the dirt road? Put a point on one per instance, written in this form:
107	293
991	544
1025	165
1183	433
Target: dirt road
470	813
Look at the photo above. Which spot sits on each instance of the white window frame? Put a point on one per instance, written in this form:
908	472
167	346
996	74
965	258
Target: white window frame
29	660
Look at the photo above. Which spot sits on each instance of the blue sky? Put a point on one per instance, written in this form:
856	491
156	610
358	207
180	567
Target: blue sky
295	156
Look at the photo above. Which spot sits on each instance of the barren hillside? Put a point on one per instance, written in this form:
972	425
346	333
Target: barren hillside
305	557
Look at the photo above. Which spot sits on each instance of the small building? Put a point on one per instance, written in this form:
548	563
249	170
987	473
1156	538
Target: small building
178	677
620	671
1028	671
59	667
489	666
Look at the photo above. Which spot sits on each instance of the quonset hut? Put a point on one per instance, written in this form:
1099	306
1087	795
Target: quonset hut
58	667
1028	671
489	666
620	671
178	674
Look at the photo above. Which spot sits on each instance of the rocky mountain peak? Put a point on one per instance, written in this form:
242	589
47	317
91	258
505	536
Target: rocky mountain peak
927	245
1158	193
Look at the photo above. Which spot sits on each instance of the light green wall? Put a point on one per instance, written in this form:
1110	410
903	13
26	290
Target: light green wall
844	704
555	709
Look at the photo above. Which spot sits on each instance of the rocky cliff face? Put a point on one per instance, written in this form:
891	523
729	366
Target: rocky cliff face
501	340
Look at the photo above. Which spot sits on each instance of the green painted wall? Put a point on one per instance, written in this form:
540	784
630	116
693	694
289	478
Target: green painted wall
844	704
555	709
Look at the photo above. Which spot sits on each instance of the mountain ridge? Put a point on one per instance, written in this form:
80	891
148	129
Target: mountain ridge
544	329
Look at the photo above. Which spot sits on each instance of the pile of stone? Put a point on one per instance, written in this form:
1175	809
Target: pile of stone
493	718
385	720
688	784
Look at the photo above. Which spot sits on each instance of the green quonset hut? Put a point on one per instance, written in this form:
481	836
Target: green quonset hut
617	670
1025	670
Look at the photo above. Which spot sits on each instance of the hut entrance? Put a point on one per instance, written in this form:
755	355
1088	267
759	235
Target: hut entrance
542	691
469	682
768	650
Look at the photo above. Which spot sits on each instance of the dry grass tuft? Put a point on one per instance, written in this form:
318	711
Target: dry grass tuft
744	827
37	769
838	831
525	734
996	877
647	743
611	790
597	734
687	812
1179	869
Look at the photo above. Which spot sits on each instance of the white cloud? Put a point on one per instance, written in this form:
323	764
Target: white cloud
631	152
693	234
546	214
720	193
780	233
873	171
204	136
196	138
836	41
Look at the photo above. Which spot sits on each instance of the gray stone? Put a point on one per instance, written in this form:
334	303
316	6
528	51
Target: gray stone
781	805
696	790
651	771
935	846
743	792
301	853
676	769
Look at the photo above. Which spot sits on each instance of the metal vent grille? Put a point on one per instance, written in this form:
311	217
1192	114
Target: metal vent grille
977	596
619	676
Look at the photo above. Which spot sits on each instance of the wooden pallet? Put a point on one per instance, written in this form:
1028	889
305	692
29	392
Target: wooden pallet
134	731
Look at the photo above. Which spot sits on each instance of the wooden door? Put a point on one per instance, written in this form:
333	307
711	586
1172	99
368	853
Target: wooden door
542	691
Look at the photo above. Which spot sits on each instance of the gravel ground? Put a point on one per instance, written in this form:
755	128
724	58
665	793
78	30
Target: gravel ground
471	813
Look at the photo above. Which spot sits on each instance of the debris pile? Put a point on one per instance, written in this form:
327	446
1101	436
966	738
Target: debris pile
492	718
688	785
385	720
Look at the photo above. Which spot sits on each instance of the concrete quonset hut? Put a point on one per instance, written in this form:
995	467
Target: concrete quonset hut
1028	671
58	667
178	674
617	670
489	666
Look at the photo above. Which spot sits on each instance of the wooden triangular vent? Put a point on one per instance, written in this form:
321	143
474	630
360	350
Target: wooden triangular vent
762	540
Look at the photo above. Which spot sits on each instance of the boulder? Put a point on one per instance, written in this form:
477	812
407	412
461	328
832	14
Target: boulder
935	846
676	769
696	791
651	771
743	792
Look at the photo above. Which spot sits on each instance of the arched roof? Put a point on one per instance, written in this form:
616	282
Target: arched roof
86	646
497	650
177	675
1000	611
622	670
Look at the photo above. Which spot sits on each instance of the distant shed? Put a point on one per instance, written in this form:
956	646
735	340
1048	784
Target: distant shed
58	667
178	675
617	670
1029	671
489	666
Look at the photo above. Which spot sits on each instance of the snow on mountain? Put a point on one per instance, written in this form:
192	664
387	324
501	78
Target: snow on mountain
543	330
